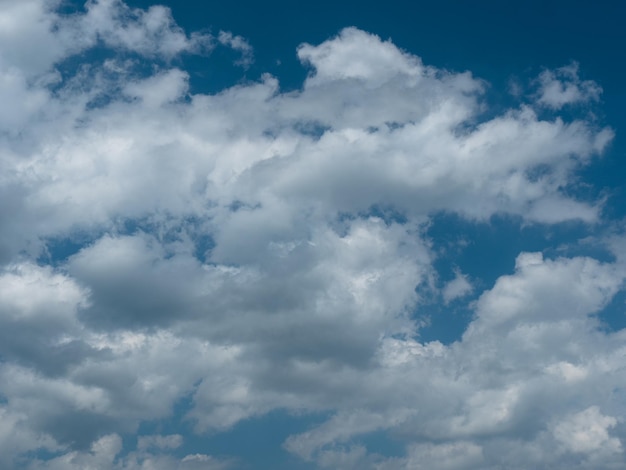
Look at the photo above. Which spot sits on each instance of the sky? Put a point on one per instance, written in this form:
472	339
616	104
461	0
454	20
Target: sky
331	235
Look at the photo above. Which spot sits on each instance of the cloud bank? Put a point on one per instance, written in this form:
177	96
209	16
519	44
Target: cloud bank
259	250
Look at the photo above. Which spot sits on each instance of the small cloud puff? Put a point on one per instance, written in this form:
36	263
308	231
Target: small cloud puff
456	288
563	86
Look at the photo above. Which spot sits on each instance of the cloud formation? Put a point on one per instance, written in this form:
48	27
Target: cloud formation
256	250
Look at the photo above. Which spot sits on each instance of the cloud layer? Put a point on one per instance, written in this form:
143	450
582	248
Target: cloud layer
257	250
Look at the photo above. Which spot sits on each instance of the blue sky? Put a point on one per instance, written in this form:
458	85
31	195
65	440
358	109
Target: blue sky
307	236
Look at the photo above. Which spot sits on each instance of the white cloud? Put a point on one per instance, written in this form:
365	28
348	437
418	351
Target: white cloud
460	455
504	382
592	286
587	432
231	256
355	54
149	32
562	86
239	44
456	288
171	441
105	454
341	428
160	89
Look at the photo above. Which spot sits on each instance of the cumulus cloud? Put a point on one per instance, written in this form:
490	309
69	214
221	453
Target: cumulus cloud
237	249
487	400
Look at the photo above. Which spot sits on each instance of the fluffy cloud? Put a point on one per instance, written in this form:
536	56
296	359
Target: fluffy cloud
587	432
487	400
254	250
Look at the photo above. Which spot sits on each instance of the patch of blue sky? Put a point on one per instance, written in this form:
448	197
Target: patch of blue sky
612	317
486	249
383	443
166	229
254	443
59	249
